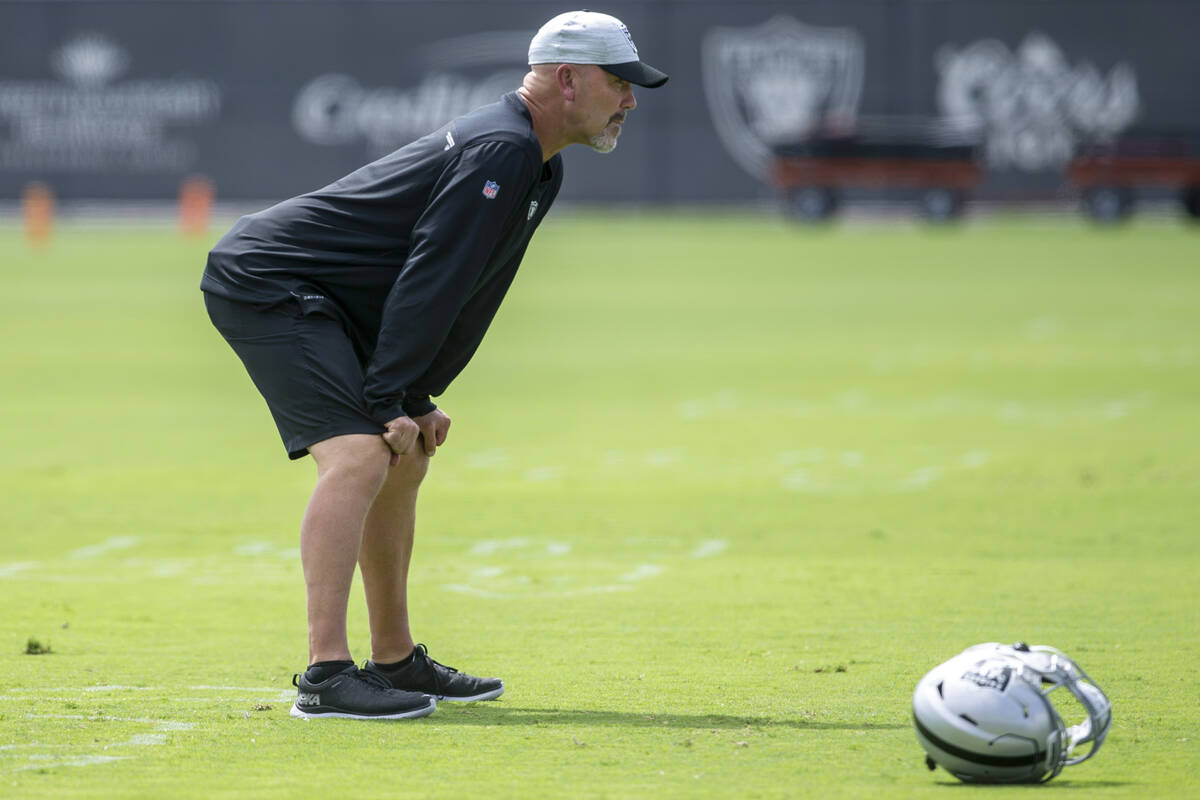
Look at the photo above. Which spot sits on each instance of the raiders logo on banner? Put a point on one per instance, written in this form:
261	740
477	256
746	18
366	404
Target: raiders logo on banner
777	82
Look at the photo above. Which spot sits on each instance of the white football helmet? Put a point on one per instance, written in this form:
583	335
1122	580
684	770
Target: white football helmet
986	717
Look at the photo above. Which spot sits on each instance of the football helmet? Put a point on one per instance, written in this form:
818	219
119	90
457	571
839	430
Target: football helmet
986	715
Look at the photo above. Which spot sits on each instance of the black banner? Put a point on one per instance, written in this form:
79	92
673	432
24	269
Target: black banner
269	99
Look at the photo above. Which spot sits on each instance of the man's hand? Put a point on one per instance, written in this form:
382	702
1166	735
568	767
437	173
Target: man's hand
400	436
434	426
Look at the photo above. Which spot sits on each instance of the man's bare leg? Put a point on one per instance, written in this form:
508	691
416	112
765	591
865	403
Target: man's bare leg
385	555
351	470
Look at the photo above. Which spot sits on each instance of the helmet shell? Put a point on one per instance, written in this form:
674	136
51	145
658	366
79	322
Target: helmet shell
983	717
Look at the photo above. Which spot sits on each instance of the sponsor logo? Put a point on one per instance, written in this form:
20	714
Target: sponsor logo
461	74
777	82
491	189
993	678
449	141
532	209
1031	106
94	120
629	38
308	699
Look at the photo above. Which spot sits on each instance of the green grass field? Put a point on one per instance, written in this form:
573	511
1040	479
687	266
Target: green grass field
719	491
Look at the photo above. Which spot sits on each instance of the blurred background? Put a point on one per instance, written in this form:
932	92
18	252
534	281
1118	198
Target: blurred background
931	106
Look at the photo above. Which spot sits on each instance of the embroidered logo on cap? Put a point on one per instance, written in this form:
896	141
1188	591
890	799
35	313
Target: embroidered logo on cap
491	189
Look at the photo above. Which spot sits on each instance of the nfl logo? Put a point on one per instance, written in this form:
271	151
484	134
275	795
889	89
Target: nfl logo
491	189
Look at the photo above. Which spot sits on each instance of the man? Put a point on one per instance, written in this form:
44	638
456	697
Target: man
351	305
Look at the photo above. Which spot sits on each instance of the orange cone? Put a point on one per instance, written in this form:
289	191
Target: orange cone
195	205
37	209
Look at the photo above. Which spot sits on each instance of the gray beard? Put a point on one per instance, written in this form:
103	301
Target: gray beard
602	143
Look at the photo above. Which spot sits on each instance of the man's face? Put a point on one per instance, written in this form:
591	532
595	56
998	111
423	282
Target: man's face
604	101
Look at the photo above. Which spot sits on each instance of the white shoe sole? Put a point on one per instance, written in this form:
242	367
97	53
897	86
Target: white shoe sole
424	711
492	695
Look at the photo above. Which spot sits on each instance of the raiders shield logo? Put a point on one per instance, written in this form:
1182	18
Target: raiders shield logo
778	81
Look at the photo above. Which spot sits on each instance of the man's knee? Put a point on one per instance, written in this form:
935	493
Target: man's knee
410	469
359	459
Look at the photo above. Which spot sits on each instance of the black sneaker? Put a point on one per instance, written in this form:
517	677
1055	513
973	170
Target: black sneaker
423	674
357	694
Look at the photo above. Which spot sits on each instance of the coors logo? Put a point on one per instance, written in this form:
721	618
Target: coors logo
1032	106
778	81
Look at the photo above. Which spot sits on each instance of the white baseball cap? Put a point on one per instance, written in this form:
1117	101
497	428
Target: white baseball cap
588	37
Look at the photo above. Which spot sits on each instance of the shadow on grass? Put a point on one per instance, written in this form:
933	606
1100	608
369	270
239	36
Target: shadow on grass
450	714
1057	783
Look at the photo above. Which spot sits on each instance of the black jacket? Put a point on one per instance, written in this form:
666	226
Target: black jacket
413	252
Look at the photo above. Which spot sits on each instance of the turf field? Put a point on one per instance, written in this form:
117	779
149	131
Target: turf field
718	492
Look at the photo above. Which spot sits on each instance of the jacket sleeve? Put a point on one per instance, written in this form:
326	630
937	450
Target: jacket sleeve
470	208
464	337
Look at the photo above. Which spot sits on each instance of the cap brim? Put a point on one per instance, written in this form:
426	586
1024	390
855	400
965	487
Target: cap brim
637	73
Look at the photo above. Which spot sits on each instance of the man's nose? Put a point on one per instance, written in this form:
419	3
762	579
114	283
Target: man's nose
629	102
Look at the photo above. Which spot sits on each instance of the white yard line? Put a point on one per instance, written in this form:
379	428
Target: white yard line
711	547
107	546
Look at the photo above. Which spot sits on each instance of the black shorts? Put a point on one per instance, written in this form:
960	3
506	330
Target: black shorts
304	365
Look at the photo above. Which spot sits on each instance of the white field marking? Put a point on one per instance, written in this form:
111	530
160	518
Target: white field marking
721	402
17	566
853	399
228	698
80	761
253	548
606	589
117	688
489	546
921	478
488	459
107	546
813	455
462	588
144	739
1040	329
158	736
613	458
611	588
975	459
489	572
1012	412
710	547
852	459
641	572
799	481
167	570
558	548
883	362
663	458
543	474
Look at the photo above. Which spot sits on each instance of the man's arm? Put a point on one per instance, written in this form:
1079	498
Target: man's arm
464	337
470	208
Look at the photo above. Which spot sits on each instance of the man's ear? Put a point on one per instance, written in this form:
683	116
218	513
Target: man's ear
568	80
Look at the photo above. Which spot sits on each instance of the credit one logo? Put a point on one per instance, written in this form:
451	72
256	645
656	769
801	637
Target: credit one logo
461	74
1032	106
